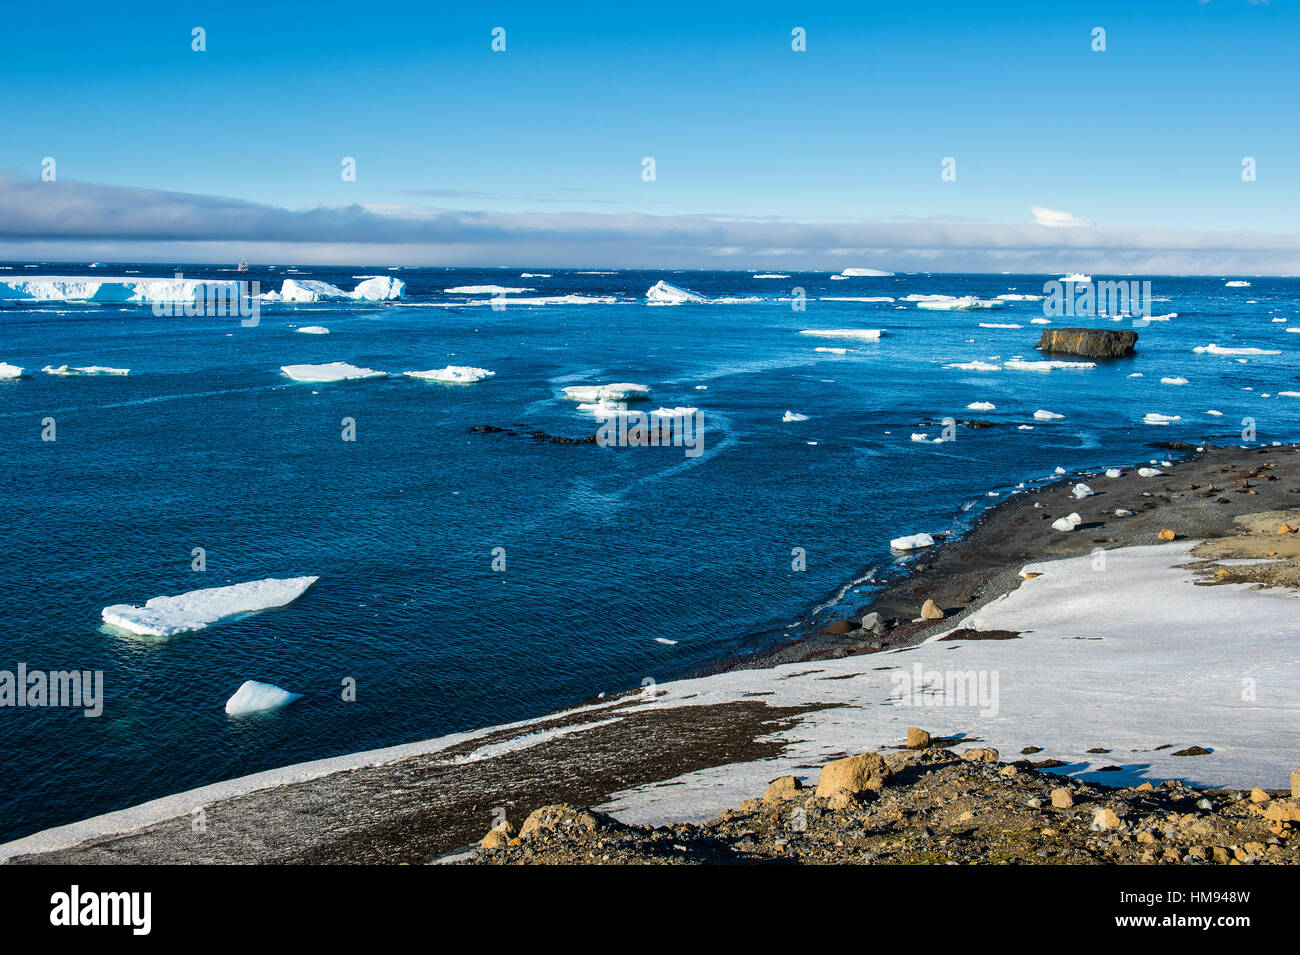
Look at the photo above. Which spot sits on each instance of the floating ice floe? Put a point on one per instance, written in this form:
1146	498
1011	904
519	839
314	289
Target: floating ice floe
661	293
974	366
950	303
833	351
865	273
858	334
65	372
1014	297
855	298
682	412
1287	394
791	416
72	288
166	616
1025	427
1213	349
1021	364
1236	284
534	275
9	371
1041	415
912	542
770	275
453	374
330	371
1000	325
485	290
618	391
1173	381
255	697
1217	414
1067	523
380	288
1076	277
1149	472
920	437
314	330
1040	321
981	406
1081	491
1152	418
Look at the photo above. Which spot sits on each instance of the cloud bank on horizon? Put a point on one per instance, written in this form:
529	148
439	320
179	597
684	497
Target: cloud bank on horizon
74	221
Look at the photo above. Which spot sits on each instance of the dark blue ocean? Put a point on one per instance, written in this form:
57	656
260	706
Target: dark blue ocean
608	550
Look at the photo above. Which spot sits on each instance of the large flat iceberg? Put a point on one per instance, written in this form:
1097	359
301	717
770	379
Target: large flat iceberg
618	391
858	334
10	371
330	371
165	616
453	374
64	371
74	288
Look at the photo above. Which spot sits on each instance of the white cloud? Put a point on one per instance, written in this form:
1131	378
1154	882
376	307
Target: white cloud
1055	219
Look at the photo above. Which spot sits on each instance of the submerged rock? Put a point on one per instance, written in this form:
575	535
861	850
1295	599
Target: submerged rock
1088	342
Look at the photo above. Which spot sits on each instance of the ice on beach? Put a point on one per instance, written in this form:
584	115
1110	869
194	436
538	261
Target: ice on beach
1173	381
9	371
1041	415
865	273
981	406
618	391
1123	512
912	542
1113	472
64	371
791	416
1213	349
974	366
166	616
314	330
1236	284
485	290
1081	491
661	293
330	371
453	374
1066	523
859	334
1152	418
1021	364
1149	472
255	697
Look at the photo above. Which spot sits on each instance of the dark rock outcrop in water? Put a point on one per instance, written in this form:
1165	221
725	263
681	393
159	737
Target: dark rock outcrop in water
535	435
1088	342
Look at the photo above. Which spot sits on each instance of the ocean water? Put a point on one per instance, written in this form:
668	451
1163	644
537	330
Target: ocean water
610	552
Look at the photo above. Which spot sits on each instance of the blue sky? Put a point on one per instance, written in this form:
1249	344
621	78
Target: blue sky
1148	135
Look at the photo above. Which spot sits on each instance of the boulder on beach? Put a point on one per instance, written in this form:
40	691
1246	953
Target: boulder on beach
1088	342
855	773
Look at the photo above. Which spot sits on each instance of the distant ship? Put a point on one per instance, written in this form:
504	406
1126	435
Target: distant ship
242	267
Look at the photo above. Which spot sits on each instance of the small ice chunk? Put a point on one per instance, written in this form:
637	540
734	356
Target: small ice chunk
314	330
1113	472
1041	415
1213	349
485	290
858	334
9	371
790	416
1067	523
919	436
1173	381
1163	419
1149	472
974	366
63	371
1123	512
1081	491
255	697
912	542
1217	414
981	406
452	374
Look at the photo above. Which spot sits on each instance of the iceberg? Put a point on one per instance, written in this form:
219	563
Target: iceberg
380	288
858	334
454	374
9	371
791	416
1152	418
255	697
1213	349
314	330
166	616
1020	364
1041	415
661	293
331	371
1173	381
65	372
912	542
309	290
1077	277
981	406
73	288
485	290
1236	284
865	273
618	391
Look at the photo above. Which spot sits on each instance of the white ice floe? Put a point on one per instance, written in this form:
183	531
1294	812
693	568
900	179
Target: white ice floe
534	275
920	437
1287	394
1041	415
1080	278
661	293
680	412
1236	284
314	330
833	351
974	366
1149	472
1222	350
1217	414
791	416
1173	381
330	371
854	298
64	371
618	391
485	290
103	289
9	371
380	288
165	616
1014	297
856	273
453	374
1123	512
1081	491
858	334
1068	523
255	697
912	542
1113	472
1021	364
1000	325
960	303
1025	427
308	290
1040	321
770	275
981	406
1152	418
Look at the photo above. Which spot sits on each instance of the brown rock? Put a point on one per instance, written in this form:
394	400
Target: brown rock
1282	812
1295	783
917	738
1105	819
1286	529
561	816
930	611
1166	535
854	773
779	790
984	754
1062	798
841	799
1258	795
1088	342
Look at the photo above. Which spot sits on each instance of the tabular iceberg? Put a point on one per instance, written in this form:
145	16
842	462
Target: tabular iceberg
619	391
860	334
331	371
255	697
73	288
65	372
9	371
166	616
454	374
